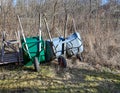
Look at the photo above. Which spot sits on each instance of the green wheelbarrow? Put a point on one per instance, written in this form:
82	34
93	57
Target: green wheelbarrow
33	51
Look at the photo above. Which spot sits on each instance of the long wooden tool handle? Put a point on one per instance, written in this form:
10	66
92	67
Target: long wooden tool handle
48	29
22	32
74	25
40	33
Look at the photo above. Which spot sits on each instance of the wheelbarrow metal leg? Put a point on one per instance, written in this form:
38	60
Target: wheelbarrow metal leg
36	64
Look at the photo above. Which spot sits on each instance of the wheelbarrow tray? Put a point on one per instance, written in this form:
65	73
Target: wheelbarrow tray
73	44
33	50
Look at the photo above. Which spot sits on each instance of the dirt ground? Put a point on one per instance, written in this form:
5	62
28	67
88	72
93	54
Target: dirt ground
78	77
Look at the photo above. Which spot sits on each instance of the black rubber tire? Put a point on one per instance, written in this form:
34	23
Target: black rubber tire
36	64
62	62
79	56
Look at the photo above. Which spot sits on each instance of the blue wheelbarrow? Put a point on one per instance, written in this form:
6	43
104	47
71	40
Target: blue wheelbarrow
74	46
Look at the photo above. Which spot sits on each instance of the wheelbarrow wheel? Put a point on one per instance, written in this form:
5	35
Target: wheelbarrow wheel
36	64
62	62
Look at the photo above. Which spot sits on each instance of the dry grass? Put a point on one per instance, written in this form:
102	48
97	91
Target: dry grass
78	77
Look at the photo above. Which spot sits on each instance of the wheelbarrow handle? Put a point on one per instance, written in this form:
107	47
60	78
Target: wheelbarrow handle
23	46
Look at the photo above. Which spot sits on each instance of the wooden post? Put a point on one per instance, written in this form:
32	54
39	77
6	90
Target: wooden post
49	35
3	45
65	30
19	46
40	32
54	10
74	25
19	39
48	29
65	34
